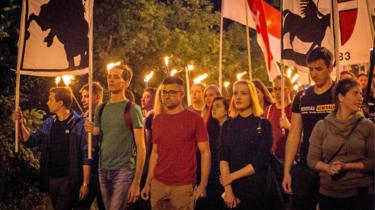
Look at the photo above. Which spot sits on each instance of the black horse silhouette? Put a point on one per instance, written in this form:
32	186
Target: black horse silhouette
313	22
66	21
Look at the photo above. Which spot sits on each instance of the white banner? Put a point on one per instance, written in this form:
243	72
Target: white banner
55	39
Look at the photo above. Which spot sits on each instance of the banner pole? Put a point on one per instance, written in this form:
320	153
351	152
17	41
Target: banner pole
221	49
18	73
89	137
248	42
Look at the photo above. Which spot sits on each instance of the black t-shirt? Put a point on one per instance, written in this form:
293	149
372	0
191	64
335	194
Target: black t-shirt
312	107
371	109
58	162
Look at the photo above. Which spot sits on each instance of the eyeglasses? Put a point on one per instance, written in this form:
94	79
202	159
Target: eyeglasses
170	92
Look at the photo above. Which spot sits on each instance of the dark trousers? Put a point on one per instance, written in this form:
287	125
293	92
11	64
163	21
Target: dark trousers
61	194
305	186
94	192
357	202
213	200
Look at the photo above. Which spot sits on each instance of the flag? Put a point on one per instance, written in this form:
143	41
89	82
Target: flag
267	27
307	24
55	37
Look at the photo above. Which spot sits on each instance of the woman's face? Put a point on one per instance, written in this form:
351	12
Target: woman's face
352	100
241	96
260	96
209	96
218	110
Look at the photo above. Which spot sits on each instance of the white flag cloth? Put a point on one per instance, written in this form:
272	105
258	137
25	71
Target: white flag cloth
265	20
55	37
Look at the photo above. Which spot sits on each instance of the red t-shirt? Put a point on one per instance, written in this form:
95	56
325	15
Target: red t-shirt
176	137
273	114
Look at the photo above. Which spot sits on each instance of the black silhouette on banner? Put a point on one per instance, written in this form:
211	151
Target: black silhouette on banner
309	28
65	20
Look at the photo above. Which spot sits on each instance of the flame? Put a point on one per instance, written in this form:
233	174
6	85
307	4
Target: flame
111	65
174	72
57	80
200	78
166	60
240	75
295	87
190	67
226	84
289	73
67	79
294	79
149	76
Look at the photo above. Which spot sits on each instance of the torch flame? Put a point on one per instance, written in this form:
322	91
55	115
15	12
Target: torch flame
200	78
226	84
289	73
111	65
149	76
240	75
174	72
166	60
57	80
67	79
190	67
294	79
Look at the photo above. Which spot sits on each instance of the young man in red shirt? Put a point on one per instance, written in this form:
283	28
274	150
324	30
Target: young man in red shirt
176	133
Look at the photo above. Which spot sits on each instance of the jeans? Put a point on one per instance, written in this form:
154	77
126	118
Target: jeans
114	185
94	192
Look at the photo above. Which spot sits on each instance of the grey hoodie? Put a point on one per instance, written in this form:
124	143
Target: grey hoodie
327	137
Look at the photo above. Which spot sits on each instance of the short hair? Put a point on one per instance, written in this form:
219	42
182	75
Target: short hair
151	90
173	80
287	81
342	87
127	72
130	95
320	53
347	72
202	86
64	94
97	88
361	75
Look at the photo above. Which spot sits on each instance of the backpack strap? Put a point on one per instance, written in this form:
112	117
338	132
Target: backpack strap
101	109
127	115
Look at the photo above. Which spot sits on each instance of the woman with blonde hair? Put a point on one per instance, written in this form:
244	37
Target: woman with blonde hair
209	93
245	154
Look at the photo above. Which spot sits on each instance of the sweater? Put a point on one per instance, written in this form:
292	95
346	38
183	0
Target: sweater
327	137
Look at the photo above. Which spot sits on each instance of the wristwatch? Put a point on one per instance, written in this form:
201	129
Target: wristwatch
85	184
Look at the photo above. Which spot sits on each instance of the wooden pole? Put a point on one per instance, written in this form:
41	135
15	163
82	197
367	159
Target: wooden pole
220	49
248	42
336	28
282	69
89	135
18	72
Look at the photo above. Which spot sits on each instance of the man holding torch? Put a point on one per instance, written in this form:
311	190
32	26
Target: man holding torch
64	165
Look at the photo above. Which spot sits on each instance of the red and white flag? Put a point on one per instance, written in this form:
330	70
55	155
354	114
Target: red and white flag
266	20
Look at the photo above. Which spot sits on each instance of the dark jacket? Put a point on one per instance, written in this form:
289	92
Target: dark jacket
78	148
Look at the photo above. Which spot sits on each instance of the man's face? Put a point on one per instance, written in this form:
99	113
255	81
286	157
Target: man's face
116	83
147	100
320	72
172	96
52	104
196	94
277	90
85	100
363	80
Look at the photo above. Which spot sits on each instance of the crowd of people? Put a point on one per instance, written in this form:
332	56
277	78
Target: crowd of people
257	151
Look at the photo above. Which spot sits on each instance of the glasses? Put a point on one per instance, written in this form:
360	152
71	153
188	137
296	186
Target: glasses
170	92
